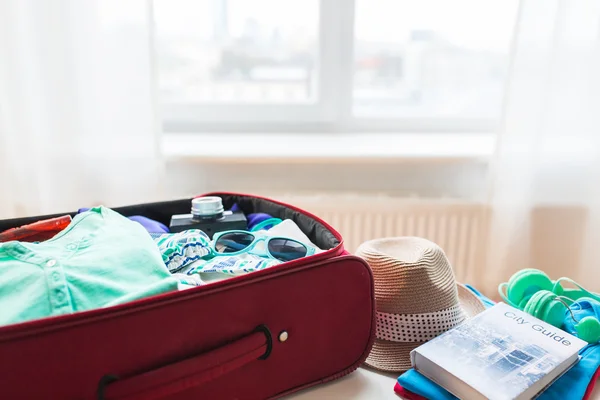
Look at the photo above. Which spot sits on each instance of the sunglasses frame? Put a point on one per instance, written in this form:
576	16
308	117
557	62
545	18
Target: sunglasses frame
310	250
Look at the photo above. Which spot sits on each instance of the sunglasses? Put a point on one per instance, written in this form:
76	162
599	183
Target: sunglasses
279	248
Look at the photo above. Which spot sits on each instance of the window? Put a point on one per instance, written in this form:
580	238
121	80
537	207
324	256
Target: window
332	65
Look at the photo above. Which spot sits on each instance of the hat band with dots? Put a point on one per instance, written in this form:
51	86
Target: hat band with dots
417	327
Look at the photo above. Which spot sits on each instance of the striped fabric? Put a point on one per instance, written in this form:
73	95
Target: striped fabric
182	248
233	265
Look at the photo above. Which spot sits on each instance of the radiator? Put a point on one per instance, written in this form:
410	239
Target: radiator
458	227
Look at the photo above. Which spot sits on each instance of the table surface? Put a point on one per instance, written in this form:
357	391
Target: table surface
365	384
361	384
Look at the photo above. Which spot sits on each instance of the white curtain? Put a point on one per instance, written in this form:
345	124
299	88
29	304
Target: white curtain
546	176
78	120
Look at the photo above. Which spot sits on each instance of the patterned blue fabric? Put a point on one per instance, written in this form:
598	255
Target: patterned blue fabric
572	385
232	265
182	248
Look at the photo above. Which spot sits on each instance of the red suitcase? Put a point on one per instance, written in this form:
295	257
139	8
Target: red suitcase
220	341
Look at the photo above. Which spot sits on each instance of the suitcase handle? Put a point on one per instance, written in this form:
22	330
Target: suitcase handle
192	372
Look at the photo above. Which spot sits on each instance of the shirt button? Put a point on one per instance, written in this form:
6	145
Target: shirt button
71	246
60	295
51	263
56	276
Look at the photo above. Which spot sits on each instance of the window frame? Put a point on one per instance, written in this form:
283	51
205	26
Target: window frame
332	109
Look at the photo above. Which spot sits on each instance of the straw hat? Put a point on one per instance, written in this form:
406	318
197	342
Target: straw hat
417	298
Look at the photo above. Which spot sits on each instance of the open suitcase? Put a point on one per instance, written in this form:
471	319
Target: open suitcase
262	335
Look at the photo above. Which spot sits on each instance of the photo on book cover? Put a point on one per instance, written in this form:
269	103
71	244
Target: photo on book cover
491	353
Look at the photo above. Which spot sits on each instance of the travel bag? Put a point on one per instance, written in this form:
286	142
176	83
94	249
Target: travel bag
262	335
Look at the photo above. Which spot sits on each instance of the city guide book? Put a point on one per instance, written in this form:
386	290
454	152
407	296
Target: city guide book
501	354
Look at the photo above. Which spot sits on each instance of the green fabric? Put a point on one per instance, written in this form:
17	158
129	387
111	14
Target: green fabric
100	259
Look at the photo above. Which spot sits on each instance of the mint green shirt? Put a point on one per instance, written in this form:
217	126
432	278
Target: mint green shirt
100	259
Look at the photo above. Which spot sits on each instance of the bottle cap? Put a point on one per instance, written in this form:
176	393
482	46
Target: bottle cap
207	206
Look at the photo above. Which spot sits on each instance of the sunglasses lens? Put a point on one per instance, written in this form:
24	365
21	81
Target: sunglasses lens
232	242
286	250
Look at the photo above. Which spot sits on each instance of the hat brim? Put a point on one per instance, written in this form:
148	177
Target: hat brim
395	357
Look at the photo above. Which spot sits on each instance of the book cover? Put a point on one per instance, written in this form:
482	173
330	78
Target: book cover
502	353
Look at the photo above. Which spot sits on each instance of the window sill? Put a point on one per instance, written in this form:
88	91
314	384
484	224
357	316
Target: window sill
326	147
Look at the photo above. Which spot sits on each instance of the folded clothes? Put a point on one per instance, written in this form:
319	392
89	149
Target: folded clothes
407	394
576	383
100	259
257	218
